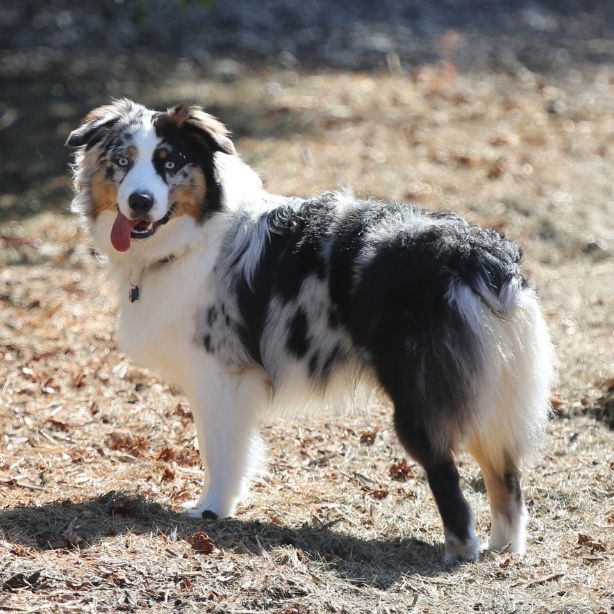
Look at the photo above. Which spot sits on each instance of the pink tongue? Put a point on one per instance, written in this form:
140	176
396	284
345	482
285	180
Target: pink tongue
120	233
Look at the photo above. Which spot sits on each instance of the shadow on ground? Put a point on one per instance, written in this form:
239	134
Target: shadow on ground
66	525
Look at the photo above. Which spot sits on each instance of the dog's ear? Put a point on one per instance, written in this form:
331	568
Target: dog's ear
200	126
96	124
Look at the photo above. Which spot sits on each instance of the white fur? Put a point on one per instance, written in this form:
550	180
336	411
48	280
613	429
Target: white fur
142	176
162	329
457	550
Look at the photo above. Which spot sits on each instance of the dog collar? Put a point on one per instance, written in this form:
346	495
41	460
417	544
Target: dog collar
134	294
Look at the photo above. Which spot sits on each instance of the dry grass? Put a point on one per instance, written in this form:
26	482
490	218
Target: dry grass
97	455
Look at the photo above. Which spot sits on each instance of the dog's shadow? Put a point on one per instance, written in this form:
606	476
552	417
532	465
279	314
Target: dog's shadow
376	562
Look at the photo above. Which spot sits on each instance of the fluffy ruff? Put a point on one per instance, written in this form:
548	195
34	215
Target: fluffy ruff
254	303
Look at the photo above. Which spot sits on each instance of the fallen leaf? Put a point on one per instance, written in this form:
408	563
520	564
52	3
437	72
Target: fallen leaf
201	543
184	458
401	471
19	550
594	545
368	438
131	444
78	586
167	474
185	584
20	580
56	425
124	505
377	493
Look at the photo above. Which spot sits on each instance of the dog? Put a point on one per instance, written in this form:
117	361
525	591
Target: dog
252	303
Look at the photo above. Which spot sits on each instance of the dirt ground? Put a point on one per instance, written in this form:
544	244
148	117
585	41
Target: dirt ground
97	455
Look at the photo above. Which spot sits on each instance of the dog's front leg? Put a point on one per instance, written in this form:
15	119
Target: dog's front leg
226	408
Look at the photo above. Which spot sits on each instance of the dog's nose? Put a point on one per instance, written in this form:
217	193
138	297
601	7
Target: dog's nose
141	202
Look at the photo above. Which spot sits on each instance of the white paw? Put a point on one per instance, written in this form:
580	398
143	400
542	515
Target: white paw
193	508
509	534
216	509
457	550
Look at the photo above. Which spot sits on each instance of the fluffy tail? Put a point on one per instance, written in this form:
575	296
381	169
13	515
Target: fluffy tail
512	399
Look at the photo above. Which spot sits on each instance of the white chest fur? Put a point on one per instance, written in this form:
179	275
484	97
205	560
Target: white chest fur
159	329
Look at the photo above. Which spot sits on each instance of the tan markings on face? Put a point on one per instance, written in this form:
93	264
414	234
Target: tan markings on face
103	191
131	152
188	196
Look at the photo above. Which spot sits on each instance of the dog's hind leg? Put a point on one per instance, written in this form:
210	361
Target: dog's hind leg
510	413
438	461
507	509
226	411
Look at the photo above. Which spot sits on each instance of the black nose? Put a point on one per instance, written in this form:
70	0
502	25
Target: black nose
141	202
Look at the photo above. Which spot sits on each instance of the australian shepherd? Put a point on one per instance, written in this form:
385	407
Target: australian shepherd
253	303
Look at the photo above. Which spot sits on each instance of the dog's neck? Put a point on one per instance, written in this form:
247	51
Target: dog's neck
134	294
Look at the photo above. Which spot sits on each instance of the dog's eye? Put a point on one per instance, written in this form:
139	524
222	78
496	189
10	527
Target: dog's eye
169	165
122	161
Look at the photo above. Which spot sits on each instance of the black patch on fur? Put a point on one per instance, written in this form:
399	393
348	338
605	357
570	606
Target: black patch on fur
297	342
348	242
293	252
187	150
208	343
313	364
398	311
441	471
396	307
333	318
512	483
453	508
91	134
211	315
109	173
297	236
320	366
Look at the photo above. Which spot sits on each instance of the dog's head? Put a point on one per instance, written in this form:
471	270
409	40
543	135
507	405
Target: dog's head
139	173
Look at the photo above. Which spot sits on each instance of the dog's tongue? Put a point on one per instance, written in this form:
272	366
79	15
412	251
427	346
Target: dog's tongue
120	233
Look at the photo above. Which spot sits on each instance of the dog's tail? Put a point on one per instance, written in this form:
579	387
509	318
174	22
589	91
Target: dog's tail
490	267
511	402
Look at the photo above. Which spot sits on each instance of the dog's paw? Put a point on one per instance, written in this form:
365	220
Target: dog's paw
509	532
207	510
193	508
467	550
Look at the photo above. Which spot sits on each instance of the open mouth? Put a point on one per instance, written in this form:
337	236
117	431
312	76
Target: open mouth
144	229
125	229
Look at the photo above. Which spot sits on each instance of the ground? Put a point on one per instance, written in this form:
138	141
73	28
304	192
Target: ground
97	455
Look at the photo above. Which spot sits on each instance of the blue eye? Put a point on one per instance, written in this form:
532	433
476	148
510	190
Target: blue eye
169	165
123	161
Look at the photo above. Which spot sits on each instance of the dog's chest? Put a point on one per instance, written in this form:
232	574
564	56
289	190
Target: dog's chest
159	328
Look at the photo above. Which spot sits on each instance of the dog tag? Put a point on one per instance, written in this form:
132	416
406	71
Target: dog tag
134	293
